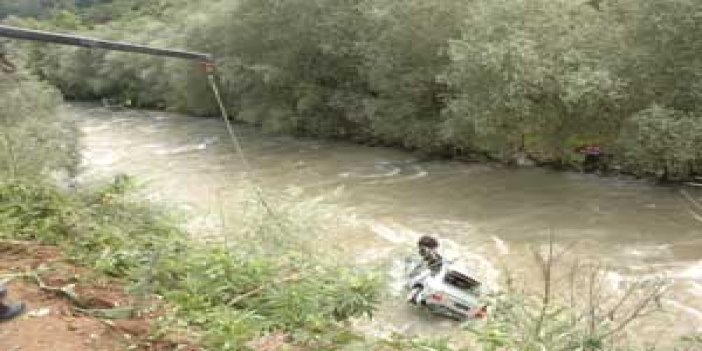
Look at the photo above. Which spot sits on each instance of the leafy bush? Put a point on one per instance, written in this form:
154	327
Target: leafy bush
663	142
662	47
530	76
292	66
34	212
36	137
404	56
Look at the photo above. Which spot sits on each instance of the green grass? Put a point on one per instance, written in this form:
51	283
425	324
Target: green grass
230	295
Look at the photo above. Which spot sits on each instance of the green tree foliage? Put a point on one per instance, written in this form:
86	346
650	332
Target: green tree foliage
90	11
532	76
663	49
663	142
404	57
295	65
665	70
36	137
23	8
507	78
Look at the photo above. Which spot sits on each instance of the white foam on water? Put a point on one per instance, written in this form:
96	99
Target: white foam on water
695	289
500	245
94	129
695	215
398	277
616	280
203	145
647	251
419	173
693	312
293	190
211	140
183	149
338	191
393	171
150	129
121	120
351	218
102	158
693	272
396	235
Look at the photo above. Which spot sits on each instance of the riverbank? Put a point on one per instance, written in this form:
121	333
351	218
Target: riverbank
75	308
225	296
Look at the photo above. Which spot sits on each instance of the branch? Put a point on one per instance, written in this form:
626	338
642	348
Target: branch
622	301
67	291
639	311
258	290
546	269
691	199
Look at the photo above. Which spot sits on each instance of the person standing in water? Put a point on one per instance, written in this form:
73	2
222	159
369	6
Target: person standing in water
428	248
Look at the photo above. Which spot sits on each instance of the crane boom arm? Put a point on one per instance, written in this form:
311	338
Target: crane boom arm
86	42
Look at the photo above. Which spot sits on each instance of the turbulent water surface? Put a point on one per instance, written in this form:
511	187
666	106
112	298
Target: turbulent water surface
491	215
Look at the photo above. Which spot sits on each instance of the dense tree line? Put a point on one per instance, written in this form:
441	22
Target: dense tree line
89	11
34	8
508	79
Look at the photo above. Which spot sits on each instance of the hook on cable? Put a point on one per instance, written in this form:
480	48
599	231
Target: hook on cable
208	66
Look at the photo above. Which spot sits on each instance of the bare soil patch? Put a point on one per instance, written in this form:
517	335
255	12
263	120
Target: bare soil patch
52	321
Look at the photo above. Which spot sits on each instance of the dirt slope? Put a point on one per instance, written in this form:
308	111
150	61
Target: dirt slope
52	321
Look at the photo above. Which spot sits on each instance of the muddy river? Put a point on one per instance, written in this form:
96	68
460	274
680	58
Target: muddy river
491	214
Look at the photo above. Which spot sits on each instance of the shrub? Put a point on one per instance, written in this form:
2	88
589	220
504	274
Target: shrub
530	76
36	137
663	142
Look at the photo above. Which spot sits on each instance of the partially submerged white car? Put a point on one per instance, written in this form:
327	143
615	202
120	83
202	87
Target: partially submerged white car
450	290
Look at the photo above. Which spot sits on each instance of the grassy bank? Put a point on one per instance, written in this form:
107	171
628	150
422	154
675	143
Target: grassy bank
231	296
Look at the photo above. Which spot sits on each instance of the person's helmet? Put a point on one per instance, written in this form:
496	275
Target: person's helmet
428	241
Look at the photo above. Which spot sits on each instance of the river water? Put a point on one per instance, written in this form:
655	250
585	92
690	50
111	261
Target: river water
491	214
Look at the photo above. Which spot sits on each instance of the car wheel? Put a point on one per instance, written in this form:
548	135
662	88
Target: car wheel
413	296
